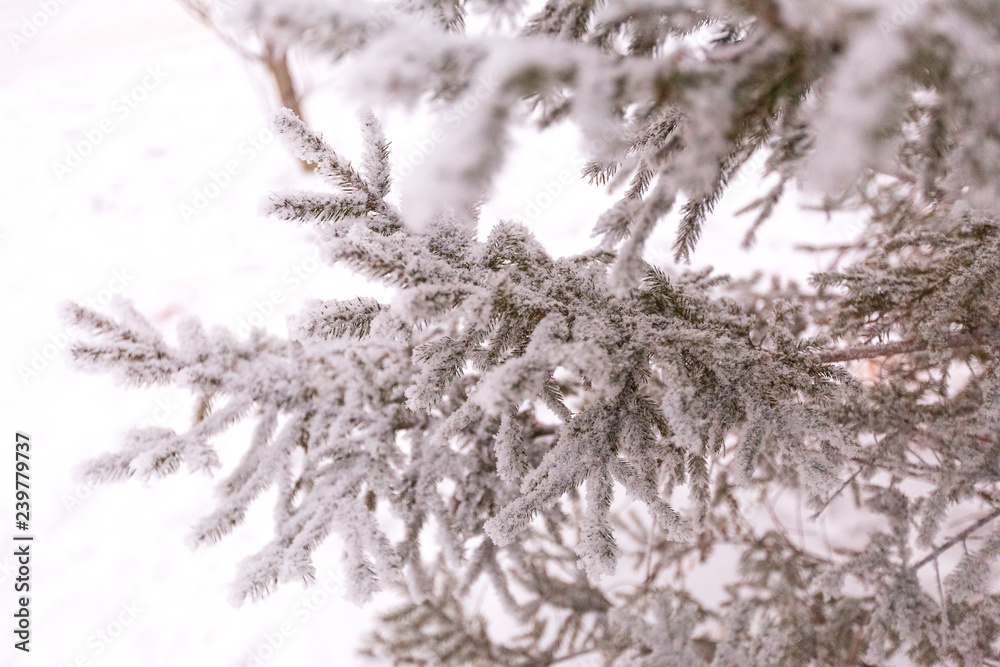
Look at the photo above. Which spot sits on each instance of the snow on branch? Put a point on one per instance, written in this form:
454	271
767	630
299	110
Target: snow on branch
500	401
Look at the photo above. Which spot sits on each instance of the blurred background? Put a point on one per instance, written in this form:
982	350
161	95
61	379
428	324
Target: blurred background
135	151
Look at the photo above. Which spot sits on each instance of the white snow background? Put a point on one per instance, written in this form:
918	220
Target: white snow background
112	579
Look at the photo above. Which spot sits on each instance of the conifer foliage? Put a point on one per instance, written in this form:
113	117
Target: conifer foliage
503	405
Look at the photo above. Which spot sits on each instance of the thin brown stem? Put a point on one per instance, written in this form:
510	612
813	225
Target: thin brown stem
572	656
836	494
273	57
982	521
953	341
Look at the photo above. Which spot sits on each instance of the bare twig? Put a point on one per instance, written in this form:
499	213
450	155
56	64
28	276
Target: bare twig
835	494
273	57
572	656
982	521
203	12
953	341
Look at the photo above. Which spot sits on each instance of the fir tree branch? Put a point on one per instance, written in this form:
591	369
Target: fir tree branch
951	342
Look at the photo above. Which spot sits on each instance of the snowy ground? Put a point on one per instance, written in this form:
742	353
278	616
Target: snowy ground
158	104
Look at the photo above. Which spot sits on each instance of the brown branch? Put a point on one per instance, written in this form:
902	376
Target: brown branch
953	342
273	57
202	10
836	494
841	247
573	656
982	521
